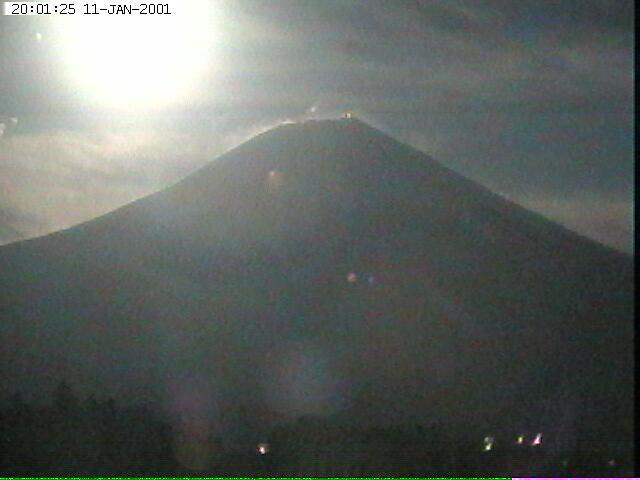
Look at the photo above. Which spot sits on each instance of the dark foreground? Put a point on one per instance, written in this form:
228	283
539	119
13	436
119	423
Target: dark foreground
100	438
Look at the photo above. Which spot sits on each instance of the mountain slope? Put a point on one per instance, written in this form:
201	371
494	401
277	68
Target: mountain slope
235	284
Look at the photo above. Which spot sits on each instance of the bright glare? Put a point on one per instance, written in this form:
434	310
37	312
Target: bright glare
520	440
137	61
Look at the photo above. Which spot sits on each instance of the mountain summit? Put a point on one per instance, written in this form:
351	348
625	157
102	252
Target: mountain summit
325	268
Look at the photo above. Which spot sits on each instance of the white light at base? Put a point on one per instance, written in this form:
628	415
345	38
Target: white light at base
488	443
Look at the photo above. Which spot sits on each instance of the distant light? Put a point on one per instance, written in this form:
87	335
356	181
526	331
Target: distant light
346	115
352	277
537	440
565	463
14	120
263	448
371	279
611	463
520	439
488	443
38	37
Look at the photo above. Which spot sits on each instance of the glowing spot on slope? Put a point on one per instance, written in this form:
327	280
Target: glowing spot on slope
275	180
352	277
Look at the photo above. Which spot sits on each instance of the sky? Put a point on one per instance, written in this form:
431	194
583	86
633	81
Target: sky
532	99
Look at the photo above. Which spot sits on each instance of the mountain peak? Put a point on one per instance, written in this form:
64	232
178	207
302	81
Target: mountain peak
340	127
414	283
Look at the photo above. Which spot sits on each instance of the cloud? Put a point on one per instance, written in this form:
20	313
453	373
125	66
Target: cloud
607	220
14	226
52	180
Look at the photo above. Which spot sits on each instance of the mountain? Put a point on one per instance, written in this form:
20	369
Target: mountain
323	268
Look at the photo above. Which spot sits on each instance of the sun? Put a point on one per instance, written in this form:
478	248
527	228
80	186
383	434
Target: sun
137	61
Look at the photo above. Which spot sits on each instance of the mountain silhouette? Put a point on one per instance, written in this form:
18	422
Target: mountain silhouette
324	268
